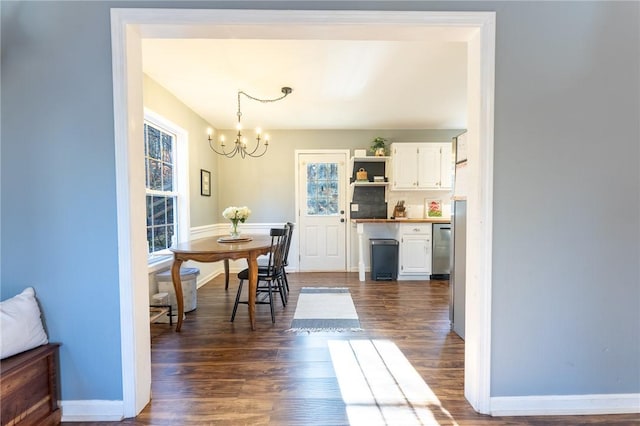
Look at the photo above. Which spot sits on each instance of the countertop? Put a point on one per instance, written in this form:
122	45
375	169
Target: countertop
415	220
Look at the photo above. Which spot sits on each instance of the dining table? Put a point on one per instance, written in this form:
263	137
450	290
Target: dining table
215	249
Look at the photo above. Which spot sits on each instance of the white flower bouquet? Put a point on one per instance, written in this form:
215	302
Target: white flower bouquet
235	215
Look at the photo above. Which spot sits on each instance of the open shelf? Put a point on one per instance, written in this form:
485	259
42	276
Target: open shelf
369	198
356	183
370	159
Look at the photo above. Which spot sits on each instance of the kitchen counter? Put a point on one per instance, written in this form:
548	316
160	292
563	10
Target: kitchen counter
408	220
360	223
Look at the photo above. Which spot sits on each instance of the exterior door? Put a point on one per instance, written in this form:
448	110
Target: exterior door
322	198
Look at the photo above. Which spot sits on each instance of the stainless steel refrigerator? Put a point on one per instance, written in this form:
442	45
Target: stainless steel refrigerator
457	280
459	260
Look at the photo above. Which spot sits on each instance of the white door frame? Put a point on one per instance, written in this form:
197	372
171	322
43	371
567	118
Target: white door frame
345	188
129	26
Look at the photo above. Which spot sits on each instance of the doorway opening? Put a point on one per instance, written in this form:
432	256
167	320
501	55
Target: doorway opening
130	26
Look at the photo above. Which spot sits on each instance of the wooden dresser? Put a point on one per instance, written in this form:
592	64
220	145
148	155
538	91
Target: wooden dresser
28	385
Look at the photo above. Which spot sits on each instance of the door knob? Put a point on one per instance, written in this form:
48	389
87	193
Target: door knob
341	211
342	219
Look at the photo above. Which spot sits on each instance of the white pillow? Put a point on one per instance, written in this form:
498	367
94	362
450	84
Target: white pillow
20	324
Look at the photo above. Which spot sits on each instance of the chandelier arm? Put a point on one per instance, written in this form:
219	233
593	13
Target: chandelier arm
251	154
229	154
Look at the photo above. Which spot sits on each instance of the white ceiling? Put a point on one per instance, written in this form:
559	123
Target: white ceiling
360	83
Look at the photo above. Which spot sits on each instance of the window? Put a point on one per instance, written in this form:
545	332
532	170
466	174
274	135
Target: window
166	182
159	156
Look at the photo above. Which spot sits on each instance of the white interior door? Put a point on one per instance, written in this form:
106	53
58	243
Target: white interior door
322	198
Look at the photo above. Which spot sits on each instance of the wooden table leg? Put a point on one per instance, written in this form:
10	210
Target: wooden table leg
226	274
177	286
253	287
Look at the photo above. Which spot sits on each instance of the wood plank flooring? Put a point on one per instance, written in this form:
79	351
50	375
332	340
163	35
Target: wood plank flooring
215	372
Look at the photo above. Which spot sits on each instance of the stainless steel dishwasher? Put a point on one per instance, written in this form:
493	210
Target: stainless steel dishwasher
441	252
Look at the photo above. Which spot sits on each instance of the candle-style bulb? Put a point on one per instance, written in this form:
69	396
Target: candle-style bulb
209	132
258	131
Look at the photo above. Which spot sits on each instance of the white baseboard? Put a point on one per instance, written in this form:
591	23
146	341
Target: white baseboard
92	411
565	405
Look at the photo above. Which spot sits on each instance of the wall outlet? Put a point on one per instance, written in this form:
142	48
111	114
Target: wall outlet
354	207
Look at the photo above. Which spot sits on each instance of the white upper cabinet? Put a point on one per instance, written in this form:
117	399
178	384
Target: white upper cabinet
421	166
404	165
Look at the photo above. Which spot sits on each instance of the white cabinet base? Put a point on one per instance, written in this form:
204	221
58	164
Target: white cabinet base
415	251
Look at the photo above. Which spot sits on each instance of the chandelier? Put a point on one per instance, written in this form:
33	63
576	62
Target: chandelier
240	143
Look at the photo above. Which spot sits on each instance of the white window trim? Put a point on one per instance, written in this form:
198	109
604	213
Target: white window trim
181	165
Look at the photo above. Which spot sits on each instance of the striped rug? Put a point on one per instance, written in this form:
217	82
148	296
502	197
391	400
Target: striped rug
325	309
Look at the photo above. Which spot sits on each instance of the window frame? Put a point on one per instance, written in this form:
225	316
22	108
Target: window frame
180	184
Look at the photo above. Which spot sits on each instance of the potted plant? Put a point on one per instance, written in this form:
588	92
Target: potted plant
378	146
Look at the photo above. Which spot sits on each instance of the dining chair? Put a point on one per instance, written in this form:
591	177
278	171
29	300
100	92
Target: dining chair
285	261
262	261
270	276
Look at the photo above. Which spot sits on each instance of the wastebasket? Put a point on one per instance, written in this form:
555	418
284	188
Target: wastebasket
384	259
189	279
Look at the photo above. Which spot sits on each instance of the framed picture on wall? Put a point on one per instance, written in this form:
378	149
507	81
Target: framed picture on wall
433	207
205	183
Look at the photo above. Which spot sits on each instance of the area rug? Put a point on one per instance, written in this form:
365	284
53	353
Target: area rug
325	309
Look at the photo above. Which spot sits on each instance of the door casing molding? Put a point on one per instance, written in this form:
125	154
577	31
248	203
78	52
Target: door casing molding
130	26
345	187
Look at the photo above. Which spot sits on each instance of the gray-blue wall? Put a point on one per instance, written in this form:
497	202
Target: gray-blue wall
566	295
566	285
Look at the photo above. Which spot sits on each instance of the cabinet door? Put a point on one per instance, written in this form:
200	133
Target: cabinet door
429	165
447	166
415	254
415	249
405	166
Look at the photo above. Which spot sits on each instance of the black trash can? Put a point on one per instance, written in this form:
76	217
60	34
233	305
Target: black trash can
384	259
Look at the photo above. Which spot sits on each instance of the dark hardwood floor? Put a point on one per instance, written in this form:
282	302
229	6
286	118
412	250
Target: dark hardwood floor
221	373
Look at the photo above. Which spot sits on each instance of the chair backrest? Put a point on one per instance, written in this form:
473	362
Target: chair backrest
289	229
276	254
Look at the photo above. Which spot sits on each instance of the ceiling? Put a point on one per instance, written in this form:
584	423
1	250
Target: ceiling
363	83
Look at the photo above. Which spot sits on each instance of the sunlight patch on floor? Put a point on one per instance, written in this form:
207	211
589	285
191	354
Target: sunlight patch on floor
379	386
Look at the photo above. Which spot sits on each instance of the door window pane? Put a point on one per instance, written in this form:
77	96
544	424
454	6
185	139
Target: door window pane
322	189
